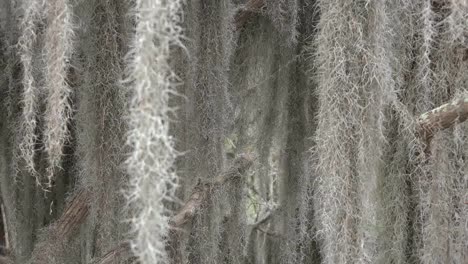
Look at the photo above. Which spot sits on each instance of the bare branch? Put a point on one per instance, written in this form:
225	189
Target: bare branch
442	118
202	190
74	214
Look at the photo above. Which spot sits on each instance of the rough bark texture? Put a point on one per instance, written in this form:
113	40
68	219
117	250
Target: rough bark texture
443	117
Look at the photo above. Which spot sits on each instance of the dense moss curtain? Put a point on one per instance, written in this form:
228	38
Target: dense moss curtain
119	113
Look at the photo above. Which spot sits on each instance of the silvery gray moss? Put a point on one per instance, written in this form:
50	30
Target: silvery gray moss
136	102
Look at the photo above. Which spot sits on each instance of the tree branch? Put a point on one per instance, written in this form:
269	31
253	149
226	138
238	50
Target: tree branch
121	251
199	194
74	215
442	118
60	232
201	190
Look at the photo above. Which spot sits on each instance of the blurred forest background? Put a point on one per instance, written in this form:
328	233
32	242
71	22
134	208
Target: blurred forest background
233	131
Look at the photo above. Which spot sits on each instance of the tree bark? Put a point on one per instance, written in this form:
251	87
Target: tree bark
74	214
442	118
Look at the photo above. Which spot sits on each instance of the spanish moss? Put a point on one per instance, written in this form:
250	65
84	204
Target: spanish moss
233	131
